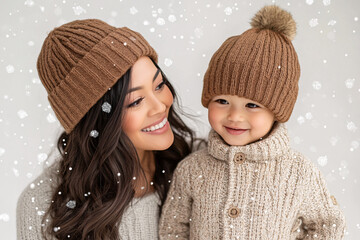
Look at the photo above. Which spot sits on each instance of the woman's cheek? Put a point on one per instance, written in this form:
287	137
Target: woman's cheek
169	99
131	122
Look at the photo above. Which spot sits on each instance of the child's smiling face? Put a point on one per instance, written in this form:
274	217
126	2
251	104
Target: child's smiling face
239	121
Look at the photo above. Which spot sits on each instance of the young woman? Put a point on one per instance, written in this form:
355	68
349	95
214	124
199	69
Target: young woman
122	138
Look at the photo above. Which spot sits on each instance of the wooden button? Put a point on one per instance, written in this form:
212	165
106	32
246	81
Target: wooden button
234	212
239	158
333	199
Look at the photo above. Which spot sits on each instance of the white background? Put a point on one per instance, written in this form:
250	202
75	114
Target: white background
324	125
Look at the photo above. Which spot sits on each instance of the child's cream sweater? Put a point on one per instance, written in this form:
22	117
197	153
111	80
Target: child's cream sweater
263	190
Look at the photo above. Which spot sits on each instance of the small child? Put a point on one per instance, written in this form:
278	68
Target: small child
249	183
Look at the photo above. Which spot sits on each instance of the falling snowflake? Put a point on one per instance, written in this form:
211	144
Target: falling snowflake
355	144
2	151
300	120
16	172
42	157
4	217
344	172
326	2
22	114
10	69
168	62
331	22
172	18
351	126
51	118
308	115
316	85
78	10
71	204
313	22
133	10
228	11
36	81
106	107
154	14
349	83
160	21
322	160
309	2
29	3
41	213
94	134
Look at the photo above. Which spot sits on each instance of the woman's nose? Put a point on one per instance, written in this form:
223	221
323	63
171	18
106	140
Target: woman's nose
156	106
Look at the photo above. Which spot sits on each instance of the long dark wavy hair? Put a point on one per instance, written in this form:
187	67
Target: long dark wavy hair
97	173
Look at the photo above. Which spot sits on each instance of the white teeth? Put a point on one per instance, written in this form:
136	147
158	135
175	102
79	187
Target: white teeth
155	127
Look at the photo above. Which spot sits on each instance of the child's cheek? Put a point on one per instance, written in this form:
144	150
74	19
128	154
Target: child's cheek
262	121
214	115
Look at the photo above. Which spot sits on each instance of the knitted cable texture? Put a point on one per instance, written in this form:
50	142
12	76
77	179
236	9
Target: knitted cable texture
263	190
139	221
80	60
261	64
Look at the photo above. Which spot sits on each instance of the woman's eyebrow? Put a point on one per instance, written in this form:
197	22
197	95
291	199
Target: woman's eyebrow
137	88
156	74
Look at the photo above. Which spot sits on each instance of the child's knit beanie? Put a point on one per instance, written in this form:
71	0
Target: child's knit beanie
260	64
79	61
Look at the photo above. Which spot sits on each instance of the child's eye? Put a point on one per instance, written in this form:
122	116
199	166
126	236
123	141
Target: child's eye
221	101
252	105
135	103
161	85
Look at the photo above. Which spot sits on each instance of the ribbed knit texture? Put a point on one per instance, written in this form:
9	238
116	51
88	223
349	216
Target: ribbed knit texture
139	222
79	61
269	192
261	65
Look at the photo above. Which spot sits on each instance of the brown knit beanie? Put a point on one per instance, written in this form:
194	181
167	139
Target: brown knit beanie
79	61
260	64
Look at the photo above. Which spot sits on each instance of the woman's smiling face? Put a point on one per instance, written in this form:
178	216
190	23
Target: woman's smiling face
147	107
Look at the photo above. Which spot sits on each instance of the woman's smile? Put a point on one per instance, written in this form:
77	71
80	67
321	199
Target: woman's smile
157	128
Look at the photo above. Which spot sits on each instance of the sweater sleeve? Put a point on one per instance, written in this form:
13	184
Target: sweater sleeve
320	213
31	207
176	212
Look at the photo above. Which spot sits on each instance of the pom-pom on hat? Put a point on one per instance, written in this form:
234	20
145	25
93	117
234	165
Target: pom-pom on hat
80	60
261	64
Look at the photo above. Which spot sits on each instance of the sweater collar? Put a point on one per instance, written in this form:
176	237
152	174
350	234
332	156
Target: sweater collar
268	149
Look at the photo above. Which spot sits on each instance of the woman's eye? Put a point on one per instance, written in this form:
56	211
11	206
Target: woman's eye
135	103
252	105
222	101
161	85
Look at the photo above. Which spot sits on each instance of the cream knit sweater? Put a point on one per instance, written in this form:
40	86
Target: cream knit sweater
139	222
263	190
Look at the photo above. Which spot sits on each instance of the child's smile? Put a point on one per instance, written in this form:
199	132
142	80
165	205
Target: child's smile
235	131
239	121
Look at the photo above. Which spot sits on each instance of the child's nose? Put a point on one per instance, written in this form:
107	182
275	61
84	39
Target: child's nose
236	115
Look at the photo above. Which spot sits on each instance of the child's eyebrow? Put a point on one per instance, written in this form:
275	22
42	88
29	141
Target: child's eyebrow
138	88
